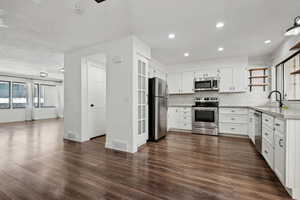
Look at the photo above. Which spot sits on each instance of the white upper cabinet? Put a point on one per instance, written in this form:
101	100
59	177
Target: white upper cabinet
239	79
174	83
187	86
206	73
232	80
181	83
226	84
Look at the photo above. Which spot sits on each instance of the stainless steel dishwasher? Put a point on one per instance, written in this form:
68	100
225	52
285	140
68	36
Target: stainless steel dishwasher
258	130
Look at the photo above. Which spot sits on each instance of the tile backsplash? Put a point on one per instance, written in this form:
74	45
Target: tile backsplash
233	99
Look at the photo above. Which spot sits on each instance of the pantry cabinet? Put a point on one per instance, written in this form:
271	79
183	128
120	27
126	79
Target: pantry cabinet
232	80
181	83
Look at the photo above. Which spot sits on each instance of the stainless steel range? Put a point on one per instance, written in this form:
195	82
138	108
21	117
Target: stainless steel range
205	116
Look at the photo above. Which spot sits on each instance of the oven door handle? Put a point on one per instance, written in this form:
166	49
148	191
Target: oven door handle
205	108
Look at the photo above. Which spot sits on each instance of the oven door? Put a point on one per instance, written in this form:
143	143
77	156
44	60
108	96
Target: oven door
205	117
202	85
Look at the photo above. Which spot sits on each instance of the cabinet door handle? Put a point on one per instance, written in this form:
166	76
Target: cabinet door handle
266	120
280	142
266	134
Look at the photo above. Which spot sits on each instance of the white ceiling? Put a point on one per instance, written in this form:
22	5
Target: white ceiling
40	30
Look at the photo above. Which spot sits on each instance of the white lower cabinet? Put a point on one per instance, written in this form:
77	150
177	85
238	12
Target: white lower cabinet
180	118
279	155
268	153
274	145
251	126
268	139
233	121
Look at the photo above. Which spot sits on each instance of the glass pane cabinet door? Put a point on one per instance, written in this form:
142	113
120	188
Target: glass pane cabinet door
142	64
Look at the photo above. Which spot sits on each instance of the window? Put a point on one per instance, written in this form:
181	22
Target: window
287	78
4	94
36	95
19	95
48	96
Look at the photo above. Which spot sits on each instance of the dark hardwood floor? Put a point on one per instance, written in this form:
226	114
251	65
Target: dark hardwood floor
35	163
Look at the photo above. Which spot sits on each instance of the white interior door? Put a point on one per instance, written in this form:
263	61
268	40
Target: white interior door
142	93
96	101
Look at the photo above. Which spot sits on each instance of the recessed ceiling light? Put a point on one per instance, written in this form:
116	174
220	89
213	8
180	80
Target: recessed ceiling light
171	36
220	25
186	54
43	74
221	49
268	41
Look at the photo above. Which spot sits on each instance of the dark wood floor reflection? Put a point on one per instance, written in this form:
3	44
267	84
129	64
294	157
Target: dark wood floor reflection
35	163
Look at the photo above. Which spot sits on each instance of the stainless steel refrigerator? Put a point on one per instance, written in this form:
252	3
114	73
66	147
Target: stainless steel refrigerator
158	108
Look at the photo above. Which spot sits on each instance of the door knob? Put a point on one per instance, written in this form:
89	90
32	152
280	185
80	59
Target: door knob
92	105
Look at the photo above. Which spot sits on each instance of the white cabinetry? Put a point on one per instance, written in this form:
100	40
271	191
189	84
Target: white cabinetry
251	126
180	118
279	152
187	85
233	121
181	83
268	139
206	73
274	145
174	83
232	80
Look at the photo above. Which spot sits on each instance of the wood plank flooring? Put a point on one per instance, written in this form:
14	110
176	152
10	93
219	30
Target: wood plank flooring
35	163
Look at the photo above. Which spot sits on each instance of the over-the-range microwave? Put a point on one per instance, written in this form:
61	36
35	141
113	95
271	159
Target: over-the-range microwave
206	84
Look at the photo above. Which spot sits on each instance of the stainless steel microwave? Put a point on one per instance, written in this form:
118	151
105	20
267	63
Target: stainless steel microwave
206	84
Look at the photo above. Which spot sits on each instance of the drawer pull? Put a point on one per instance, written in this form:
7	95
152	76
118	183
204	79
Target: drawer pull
232	119
232	128
280	143
266	134
277	124
266	120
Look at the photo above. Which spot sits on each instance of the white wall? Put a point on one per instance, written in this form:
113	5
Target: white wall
120	95
254	98
29	113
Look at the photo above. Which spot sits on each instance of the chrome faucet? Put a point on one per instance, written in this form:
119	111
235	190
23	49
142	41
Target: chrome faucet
280	97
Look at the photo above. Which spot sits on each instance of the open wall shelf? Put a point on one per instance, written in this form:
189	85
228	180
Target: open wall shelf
296	72
264	77
253	77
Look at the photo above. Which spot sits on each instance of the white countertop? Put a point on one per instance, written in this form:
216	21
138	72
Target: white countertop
274	111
